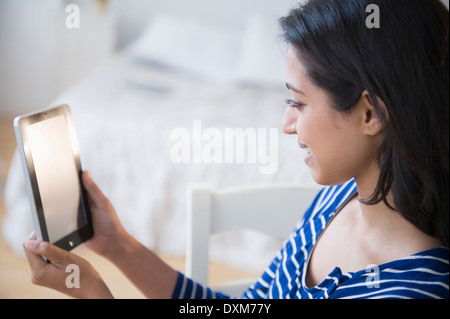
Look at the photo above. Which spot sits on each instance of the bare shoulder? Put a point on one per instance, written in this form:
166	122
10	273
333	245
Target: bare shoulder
353	243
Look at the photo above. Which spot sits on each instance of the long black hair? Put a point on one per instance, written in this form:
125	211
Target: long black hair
404	63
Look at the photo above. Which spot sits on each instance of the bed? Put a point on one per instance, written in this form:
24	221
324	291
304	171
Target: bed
126	112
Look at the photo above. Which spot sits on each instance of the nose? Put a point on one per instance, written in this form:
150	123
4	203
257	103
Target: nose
289	122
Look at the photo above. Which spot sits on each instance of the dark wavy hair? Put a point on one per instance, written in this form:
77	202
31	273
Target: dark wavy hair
404	62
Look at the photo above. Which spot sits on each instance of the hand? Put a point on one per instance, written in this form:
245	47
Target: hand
131	257
108	231
80	280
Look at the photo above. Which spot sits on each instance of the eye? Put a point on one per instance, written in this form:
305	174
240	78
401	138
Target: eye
297	105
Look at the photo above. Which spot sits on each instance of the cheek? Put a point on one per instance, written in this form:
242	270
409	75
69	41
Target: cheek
305	126
312	130
331	152
338	158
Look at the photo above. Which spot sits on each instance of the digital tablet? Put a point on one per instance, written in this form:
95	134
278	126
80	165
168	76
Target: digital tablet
49	151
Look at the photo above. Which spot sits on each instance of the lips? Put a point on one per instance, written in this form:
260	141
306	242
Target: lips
307	150
304	147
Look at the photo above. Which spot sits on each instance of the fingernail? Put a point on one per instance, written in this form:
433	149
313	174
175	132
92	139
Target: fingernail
31	244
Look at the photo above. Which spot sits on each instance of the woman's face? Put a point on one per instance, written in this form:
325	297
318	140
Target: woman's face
336	148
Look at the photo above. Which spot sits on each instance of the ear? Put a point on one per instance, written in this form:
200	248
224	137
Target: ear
371	122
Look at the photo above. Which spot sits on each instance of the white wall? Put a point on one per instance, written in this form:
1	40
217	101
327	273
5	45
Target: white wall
25	53
31	72
40	56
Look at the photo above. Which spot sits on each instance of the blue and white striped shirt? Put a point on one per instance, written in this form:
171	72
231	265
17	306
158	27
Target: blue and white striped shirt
422	275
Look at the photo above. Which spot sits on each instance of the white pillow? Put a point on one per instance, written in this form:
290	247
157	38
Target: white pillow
202	50
262	59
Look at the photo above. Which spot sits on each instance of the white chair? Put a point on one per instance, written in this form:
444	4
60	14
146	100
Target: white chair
271	209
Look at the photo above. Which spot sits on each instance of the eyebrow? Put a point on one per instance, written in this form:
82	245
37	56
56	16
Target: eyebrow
290	87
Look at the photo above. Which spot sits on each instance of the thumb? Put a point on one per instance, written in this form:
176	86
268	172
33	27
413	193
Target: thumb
36	248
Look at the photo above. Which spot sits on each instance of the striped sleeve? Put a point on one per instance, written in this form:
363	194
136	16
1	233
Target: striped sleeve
186	288
262	287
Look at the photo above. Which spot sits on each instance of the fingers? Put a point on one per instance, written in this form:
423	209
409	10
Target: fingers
43	272
34	261
34	249
58	275
95	195
32	235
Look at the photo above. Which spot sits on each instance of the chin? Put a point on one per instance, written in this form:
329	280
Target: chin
324	179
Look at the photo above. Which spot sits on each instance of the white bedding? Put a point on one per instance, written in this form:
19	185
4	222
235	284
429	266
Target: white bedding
124	113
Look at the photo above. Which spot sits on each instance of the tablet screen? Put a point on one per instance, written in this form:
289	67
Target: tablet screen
56	176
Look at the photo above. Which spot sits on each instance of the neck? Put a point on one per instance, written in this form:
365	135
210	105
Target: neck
366	185
381	220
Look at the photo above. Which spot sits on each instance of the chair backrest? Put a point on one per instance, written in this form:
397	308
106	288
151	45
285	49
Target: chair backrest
271	209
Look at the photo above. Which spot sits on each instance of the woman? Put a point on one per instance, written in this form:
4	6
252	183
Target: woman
370	107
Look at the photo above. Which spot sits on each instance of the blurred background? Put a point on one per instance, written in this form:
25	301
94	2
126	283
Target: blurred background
132	71
41	57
